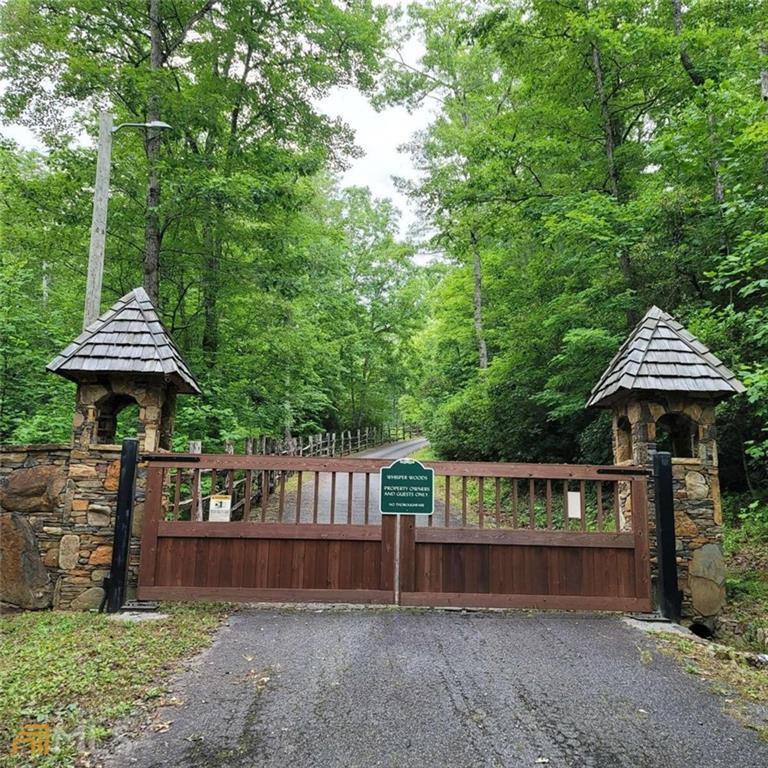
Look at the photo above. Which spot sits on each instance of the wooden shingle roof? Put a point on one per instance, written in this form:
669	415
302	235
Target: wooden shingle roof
129	339
660	355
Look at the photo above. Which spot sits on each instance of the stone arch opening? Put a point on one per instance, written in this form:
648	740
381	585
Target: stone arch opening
117	416
677	434
127	422
623	440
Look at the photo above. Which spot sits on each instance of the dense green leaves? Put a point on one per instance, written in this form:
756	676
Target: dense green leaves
605	157
585	161
290	298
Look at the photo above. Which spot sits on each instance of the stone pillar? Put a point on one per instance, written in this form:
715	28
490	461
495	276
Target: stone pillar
99	402
698	515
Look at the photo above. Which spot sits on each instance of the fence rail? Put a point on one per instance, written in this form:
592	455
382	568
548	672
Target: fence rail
203	482
329	444
556	497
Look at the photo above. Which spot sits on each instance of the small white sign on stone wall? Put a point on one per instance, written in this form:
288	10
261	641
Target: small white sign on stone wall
220	510
574	505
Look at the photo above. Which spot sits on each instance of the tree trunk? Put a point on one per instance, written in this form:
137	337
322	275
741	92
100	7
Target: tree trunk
152	236
482	349
763	48
210	294
605	115
718	190
610	142
677	19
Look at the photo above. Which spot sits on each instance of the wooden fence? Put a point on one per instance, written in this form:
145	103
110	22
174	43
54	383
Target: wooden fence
329	444
247	489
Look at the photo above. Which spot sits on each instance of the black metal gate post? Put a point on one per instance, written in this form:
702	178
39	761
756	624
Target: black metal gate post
116	584
669	596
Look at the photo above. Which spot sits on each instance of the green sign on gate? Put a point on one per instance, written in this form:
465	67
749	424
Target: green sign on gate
406	487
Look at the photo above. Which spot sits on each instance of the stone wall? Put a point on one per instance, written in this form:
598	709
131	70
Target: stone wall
65	497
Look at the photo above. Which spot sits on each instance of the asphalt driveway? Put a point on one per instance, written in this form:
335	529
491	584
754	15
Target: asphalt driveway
392	452
397	688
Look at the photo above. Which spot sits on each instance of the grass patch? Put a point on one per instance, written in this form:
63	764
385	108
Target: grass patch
745	542
427	453
728	673
80	672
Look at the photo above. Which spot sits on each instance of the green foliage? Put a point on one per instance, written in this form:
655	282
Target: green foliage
291	299
629	171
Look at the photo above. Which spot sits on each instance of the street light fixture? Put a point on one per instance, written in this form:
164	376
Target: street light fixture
159	124
99	219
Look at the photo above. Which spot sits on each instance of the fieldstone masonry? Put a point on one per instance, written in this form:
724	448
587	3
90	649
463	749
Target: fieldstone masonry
663	385
70	519
696	488
57	502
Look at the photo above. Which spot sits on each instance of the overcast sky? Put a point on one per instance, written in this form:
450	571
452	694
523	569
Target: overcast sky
378	134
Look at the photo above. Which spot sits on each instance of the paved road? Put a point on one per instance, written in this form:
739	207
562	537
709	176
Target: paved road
353	688
324	496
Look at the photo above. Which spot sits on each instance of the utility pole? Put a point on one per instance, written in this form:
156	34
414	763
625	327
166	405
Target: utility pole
100	201
98	221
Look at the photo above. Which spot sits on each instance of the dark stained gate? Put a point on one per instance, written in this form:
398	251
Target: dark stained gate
308	530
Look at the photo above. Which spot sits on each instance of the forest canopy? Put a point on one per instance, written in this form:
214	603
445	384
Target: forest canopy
585	162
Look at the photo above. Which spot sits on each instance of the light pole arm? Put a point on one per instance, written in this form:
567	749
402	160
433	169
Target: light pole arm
98	221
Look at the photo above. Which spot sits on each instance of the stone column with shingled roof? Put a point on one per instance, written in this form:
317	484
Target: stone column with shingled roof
662	386
125	357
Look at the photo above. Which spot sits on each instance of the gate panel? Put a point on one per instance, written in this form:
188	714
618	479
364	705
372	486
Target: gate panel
246	561
562	574
503	535
532	536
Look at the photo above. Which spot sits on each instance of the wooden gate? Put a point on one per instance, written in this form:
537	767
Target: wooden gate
503	535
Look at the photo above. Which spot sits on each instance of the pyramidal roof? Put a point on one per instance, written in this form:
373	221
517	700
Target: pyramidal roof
660	355
128	338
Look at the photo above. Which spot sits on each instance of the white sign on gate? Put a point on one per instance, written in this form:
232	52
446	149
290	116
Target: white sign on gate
574	505
220	510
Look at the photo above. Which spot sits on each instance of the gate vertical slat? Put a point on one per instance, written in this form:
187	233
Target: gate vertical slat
298	495
367	496
153	503
599	491
447	501
350	475
549	504
248	494
388	533
514	503
407	553
639	491
316	496
480	502
532	503
264	495
333	497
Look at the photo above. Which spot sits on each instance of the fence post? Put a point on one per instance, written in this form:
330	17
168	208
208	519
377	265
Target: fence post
196	512
669	597
118	574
